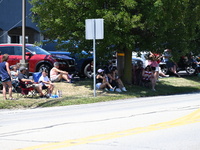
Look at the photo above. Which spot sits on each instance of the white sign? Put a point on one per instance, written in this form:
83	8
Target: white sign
94	29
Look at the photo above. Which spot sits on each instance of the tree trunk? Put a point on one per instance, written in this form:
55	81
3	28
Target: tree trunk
127	76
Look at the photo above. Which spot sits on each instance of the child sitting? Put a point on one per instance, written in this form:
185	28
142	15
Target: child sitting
46	83
147	76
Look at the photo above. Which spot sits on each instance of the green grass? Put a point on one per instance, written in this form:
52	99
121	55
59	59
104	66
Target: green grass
82	93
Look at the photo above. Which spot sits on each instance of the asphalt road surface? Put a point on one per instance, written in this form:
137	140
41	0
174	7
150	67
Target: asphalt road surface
153	123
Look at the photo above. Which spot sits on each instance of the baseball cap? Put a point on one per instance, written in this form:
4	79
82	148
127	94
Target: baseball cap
22	68
100	70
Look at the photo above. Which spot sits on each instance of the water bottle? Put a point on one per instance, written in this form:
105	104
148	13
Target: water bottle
60	93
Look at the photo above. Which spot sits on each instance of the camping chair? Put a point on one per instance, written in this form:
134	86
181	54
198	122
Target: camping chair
28	91
36	77
15	86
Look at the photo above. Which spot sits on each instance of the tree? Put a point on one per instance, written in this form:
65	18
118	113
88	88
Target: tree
129	24
171	24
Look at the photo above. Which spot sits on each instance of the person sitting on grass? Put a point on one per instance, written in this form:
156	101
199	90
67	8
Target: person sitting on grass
171	65
23	79
101	81
148	76
57	75
14	74
114	80
46	83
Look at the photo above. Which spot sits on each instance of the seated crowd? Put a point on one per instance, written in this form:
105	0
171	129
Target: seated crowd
108	79
43	82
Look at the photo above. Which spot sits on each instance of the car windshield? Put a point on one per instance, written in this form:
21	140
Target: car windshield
37	50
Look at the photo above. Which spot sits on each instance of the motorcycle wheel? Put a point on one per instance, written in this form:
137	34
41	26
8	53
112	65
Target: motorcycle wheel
190	70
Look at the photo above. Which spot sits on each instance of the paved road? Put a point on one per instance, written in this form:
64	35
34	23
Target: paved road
163	123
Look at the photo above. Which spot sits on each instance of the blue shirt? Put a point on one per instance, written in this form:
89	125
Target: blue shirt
3	71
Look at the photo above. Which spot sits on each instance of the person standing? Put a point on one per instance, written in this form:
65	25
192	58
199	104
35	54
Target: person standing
154	63
6	77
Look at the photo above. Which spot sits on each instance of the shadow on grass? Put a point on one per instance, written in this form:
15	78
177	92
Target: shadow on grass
162	88
193	78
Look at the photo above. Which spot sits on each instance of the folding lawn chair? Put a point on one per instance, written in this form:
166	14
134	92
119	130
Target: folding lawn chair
15	86
36	77
28	91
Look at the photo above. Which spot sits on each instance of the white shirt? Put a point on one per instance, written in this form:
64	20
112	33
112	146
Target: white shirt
42	78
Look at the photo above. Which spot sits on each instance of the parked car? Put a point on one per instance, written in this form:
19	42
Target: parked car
140	57
83	60
36	57
137	62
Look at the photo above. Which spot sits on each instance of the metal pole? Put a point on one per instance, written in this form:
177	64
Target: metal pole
23	29
94	59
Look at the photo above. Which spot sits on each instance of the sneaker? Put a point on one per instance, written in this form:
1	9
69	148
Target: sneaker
112	90
153	89
167	75
54	96
124	89
70	76
118	90
47	96
42	96
106	89
69	81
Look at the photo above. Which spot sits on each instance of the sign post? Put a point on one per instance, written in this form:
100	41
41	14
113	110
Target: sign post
94	30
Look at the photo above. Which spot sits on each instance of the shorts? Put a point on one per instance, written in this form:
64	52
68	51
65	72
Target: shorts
169	64
44	87
33	86
55	78
157	68
98	85
6	80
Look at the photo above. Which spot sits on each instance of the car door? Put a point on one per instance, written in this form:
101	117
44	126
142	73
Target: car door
17	54
10	50
29	58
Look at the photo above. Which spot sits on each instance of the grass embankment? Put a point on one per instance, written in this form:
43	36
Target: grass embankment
81	92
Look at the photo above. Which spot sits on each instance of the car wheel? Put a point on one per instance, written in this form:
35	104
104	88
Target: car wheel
164	69
88	70
44	67
190	70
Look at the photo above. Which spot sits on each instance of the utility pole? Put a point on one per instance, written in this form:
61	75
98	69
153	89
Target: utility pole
23	60
23	30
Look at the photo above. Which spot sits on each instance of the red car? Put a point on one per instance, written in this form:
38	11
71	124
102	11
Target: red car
36	57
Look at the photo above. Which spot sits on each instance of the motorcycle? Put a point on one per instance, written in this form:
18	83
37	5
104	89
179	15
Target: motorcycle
190	65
